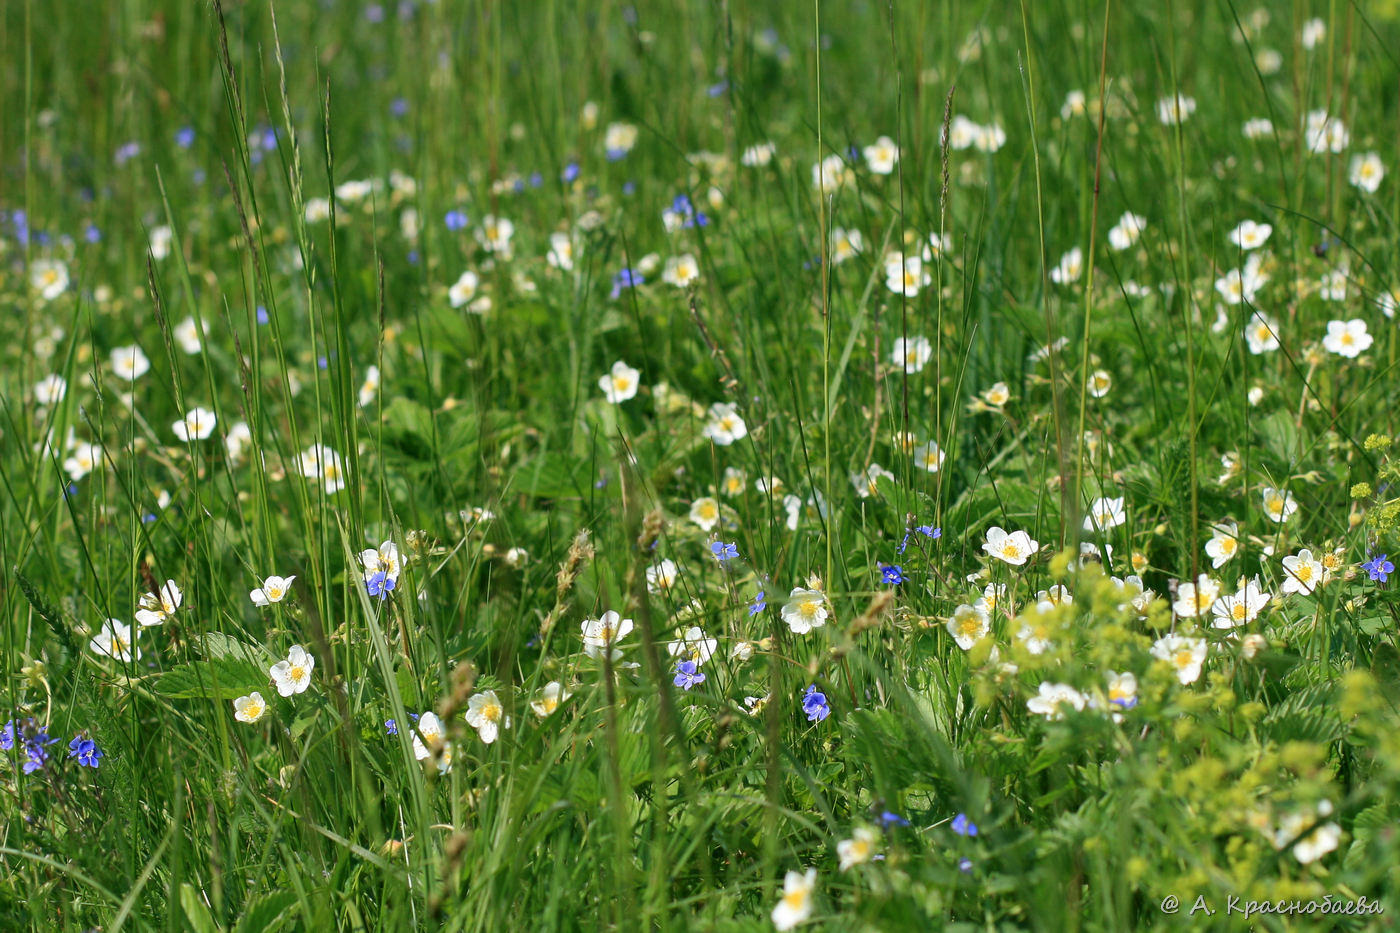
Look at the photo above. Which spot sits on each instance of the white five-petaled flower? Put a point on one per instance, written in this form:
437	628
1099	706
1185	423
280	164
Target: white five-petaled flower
250	708
1052	698
681	271
1175	109
604	632
1015	548
758	155
905	275
858	849
1312	33
620	384
273	590
551	696
725	426
1302	573
619	138
1195	599
1127	231
1098	383
1250	235
1261	333
464	289
49	278
116	641
881	156
1325	133
129	363
830	174
1184	654
1279	504
705	512
969	624
321	462
189	335
693	645
804	610
1367	170
796	905
912	353
1241	607
661	577
929	457
1070	267
429	738
294	674
51	389
1105	513
486	715
197	425
155	608
494	235
845	244
384	559
1224	543
1347	338
1240	285
82	460
370	387
561	251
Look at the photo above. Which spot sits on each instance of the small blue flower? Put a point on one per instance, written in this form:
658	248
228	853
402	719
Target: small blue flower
724	552
629	188
965	865
92	234
963	826
715	90
625	279
688	675
615	154
570	172
7	736
928	531
536	179
127	152
890	818
85	750
262	315
148	518
391	727
814	704
893	574
184	137
1379	568
381	585
759	604
399	107
322	362
455	220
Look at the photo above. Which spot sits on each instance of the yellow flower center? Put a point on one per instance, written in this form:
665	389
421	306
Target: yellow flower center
491	712
549	704
1347	339
1184	658
1303	572
1227	545
1010	549
1238	612
296	672
274	593
969	626
808	608
795	899
621	383
50	276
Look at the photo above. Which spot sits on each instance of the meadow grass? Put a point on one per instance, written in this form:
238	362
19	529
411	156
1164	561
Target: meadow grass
738	465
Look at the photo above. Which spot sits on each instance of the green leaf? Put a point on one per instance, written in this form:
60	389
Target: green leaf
221	679
196	911
266	913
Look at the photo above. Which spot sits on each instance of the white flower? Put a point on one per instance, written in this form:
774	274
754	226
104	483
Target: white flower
157	607
1104	514
913	354
433	741
905	275
845	244
464	289
1325	133
1122	692
353	192
858	849
49	278
1223	544
604	632
1070	268
370	387
494	235
1249	235
1241	607
116	641
866	482
1052	698
1261	333
804	610
83	460
618	139
273	590
129	363
620	384
661	577
1099	383
962	133
197	425
733	482
1195	599
681	271
561	251
552	695
693	645
758	155
929	457
1186	655
989	138
1075	105
1174	110
796	905
830	174
1279	504
882	156
725	426
50	390
1014	548
486	715
969	624
1258	128
1367	171
1302	573
294	674
936	245
189	335
384	559
250	708
1333	285
318	210
705	513
1347	338
1126	233
1239	285
1313	32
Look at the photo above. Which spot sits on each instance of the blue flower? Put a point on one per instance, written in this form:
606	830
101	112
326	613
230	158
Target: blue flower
184	137
963	826
893	574
262	315
92	234
688	675
928	531
814	704
890	818
570	172
381	585
1379	568
85	750
625	279
682	207
391	727
758	605
34	737
7	736
148	518
629	187
455	220
399	107
724	552
965	865
715	90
